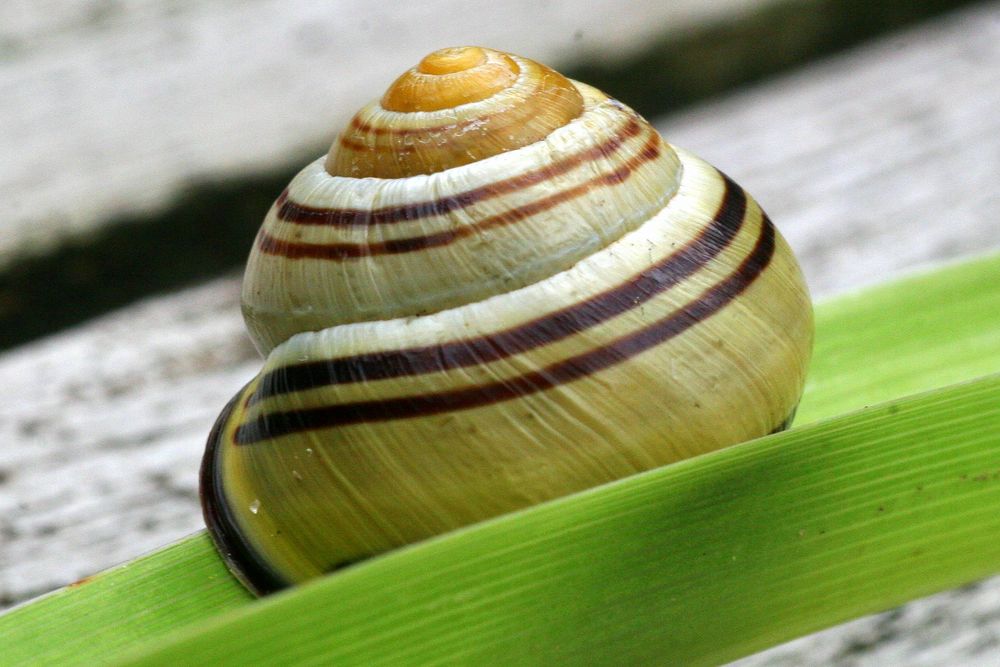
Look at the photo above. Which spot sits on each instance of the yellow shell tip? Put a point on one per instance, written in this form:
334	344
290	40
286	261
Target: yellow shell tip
477	103
451	60
449	78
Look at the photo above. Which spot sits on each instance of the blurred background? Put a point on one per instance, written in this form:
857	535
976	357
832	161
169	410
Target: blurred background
142	142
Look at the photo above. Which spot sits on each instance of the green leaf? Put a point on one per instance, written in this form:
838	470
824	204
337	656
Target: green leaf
908	336
694	563
180	584
872	346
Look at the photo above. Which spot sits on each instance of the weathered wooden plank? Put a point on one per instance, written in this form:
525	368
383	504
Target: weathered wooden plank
148	130
138	137
872	163
102	429
877	160
112	107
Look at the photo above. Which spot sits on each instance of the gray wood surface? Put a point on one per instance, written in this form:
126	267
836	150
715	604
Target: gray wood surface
152	130
144	97
874	163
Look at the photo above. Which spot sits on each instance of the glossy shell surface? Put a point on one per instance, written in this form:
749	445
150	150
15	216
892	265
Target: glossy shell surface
495	334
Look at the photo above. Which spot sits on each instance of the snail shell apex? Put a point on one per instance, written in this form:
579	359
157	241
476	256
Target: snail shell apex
459	105
370	249
494	334
449	78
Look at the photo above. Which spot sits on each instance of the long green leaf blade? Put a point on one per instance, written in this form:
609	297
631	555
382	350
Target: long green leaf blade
904	337
863	356
694	563
150	596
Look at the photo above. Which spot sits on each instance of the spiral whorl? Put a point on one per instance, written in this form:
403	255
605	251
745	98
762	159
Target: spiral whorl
530	179
449	78
544	297
457	106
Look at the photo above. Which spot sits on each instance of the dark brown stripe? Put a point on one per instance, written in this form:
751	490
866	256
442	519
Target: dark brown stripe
354	141
289	211
362	127
278	424
340	251
671	270
495	124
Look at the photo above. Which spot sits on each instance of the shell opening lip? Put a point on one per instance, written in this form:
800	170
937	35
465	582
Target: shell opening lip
240	557
787	422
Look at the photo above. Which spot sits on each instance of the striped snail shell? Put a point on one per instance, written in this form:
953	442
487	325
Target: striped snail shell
500	287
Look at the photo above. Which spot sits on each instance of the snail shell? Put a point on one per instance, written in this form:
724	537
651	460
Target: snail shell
512	289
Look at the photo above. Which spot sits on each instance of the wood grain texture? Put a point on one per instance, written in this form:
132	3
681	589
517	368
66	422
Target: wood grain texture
872	163
158	127
875	161
143	98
